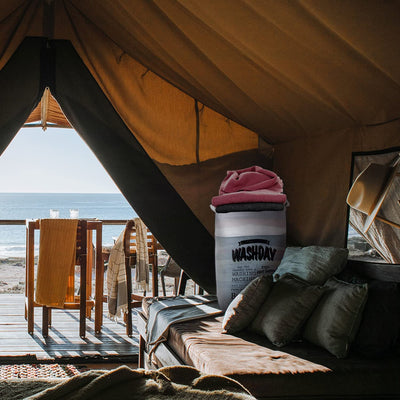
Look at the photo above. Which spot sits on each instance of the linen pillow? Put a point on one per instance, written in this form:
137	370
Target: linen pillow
380	324
285	310
335	321
314	264
244	307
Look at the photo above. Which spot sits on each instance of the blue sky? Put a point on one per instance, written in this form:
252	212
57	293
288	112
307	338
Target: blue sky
52	161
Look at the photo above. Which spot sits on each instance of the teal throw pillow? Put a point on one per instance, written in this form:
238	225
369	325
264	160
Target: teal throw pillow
314	264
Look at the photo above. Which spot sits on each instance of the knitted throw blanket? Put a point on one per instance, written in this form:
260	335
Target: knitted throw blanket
183	383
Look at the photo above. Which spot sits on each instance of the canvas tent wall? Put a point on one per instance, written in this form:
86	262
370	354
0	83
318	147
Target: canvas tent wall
171	94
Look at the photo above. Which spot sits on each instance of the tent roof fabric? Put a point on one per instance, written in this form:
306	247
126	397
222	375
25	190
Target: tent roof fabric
283	69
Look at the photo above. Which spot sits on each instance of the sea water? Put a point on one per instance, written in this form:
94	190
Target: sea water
23	206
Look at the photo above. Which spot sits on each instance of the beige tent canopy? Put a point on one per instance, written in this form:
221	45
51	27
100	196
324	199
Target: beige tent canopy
170	94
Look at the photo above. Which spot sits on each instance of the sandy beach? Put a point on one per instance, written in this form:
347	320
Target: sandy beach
12	275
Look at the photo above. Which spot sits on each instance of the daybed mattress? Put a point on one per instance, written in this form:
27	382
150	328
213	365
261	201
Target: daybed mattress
300	370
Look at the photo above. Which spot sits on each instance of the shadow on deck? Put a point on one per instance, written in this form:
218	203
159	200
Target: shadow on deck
63	344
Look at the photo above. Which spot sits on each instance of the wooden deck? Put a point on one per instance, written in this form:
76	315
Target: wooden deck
63	343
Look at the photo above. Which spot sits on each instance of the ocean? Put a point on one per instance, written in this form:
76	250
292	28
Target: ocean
38	205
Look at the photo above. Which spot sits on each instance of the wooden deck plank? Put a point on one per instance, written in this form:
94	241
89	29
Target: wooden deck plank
63	340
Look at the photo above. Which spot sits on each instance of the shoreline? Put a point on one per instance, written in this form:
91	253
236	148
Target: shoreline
12	259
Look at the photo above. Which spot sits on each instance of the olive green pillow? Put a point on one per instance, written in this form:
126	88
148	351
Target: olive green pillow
244	307
287	307
314	264
335	321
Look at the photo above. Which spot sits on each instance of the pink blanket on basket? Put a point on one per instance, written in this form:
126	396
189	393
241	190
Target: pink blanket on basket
250	185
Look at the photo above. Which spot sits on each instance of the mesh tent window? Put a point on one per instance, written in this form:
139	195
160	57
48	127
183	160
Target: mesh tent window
382	237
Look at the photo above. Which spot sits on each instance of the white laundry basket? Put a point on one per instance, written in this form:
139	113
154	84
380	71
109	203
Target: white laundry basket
247	244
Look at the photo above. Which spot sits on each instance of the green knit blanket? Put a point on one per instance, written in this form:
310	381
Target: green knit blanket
180	382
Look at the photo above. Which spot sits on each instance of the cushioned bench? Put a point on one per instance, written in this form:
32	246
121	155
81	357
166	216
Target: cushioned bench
299	370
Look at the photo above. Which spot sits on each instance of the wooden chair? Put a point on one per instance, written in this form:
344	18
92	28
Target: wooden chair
82	301
130	260
172	270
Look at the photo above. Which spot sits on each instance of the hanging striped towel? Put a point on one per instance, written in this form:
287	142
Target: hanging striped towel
57	252
142	256
117	294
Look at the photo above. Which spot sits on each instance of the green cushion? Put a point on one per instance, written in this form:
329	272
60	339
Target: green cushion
244	307
314	264
286	309
335	321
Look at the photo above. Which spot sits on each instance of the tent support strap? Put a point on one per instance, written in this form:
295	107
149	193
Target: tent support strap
196	107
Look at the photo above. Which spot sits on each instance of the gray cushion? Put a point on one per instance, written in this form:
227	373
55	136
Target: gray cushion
314	264
335	321
286	309
244	307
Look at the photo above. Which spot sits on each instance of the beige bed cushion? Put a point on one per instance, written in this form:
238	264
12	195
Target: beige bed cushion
335	321
314	264
202	343
299	370
245	306
285	310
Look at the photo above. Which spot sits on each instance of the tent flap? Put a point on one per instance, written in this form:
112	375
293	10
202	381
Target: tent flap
136	175
20	89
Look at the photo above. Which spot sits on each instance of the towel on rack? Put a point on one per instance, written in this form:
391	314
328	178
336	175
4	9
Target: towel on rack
117	294
142	256
57	253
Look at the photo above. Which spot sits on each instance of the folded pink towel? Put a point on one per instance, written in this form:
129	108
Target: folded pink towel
250	185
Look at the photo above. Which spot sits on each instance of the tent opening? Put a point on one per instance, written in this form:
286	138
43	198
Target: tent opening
52	169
